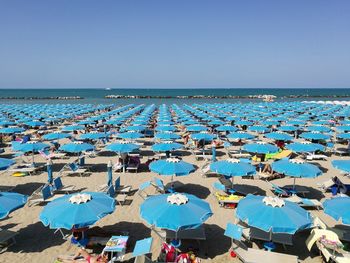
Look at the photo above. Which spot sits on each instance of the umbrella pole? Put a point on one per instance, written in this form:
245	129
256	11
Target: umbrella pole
294	183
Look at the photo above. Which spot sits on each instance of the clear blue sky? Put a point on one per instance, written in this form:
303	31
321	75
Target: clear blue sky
178	43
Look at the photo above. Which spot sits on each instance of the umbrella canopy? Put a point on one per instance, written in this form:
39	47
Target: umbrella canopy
203	136
232	167
304	147
226	128
73	128
260	147
338	208
196	128
10	202
77	210
130	135
93	136
166	147
343	165
11	130
5	163
125	147
344	136
315	136
272	214
76	147
279	136
171	167
175	211
240	136
167	136
32	146
296	168
56	136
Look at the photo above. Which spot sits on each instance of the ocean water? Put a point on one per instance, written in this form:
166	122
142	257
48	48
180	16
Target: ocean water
97	96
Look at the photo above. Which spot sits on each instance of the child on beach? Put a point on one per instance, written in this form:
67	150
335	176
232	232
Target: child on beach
88	258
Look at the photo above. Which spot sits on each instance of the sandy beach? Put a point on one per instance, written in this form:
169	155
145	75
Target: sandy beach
37	243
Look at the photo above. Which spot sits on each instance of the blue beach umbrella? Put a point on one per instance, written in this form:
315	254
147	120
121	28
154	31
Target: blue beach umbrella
203	136
338	208
10	202
167	136
302	147
175	211
318	128
126	147
11	130
226	128
166	147
279	136
34	123
296	168
76	147
315	136
171	167
260	148
93	136
240	136
77	210
196	128
165	128
73	128
258	128
344	136
288	128
130	135
55	136
232	168
273	215
6	163
32	146
343	165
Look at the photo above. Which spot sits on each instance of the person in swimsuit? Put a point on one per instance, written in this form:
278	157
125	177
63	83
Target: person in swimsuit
102	258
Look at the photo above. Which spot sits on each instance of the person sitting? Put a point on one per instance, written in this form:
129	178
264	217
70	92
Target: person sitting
88	258
134	161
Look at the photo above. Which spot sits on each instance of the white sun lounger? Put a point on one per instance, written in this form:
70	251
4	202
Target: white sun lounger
251	255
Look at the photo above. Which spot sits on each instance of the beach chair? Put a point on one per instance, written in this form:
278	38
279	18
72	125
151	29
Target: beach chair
123	189
58	187
120	198
142	249
73	168
205	169
326	185
305	202
142	189
132	166
44	196
225	200
50	156
328	244
158	185
7	239
250	255
314	156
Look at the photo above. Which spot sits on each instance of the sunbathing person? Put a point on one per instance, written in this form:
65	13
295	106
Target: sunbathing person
87	238
88	258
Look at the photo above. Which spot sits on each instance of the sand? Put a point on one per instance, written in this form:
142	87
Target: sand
37	243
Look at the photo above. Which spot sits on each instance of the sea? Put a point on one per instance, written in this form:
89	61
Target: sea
98	96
